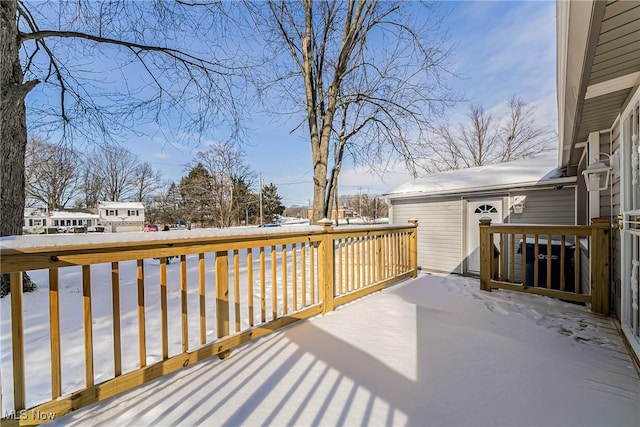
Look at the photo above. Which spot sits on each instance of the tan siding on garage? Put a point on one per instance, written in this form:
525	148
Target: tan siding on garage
439	232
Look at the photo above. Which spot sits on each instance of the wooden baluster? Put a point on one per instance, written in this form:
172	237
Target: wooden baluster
54	332
274	284
115	304
263	300
183	303
285	293
563	241
536	258
523	271
164	320
357	281
371	270
379	260
294	274
549	259
576	263
312	271
303	260
202	299
600	275
17	340
340	278
363	266
250	285
222	298
87	325
142	334
236	289
353	263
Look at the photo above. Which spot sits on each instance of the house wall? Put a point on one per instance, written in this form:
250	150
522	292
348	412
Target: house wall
605	195
548	206
582	198
441	222
121	217
614	201
440	236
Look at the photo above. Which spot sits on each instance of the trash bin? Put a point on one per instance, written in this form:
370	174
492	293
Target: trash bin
556	246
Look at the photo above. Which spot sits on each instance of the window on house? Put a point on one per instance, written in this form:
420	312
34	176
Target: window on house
486	209
132	213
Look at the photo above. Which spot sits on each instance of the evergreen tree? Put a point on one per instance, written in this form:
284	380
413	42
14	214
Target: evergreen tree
196	193
272	205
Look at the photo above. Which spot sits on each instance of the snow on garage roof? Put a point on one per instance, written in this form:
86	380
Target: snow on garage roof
541	169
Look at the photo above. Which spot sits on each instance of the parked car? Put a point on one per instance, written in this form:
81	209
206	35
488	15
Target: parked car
150	227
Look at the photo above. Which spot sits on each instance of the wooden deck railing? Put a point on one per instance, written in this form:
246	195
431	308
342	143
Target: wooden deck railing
260	282
568	262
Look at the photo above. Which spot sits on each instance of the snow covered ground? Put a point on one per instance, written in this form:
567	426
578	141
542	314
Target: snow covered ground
36	319
431	351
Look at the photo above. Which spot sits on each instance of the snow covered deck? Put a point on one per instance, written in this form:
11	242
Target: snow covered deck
430	351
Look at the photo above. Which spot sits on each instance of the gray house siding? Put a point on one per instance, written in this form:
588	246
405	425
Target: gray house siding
442	222
439	232
547	206
605	195
616	209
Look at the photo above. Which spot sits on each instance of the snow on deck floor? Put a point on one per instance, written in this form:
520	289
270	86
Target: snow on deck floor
432	351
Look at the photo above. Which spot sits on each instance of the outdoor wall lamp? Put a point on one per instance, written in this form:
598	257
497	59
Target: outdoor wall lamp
596	175
517	204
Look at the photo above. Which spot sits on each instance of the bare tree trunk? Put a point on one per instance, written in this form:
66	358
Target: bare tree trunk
13	133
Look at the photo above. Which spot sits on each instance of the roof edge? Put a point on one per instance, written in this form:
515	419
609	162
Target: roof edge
503	187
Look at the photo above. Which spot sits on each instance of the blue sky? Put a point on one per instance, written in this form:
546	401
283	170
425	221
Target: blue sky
501	49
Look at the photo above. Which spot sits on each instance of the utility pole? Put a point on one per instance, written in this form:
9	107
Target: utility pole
260	197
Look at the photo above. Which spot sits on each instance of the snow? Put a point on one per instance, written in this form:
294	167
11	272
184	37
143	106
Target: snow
57	240
538	170
60	214
120	205
431	351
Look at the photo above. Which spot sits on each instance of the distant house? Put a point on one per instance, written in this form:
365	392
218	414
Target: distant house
36	220
121	216
449	205
344	212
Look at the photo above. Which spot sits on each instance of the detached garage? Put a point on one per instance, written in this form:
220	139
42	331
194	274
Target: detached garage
449	205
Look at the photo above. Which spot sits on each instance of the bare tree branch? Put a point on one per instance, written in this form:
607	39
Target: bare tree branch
483	140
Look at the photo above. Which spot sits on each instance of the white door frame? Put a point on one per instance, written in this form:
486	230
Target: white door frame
630	209
472	235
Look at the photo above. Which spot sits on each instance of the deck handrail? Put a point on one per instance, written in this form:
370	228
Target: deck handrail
305	271
497	265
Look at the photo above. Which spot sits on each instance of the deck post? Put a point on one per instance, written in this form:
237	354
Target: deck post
599	254
222	298
413	248
486	254
327	266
